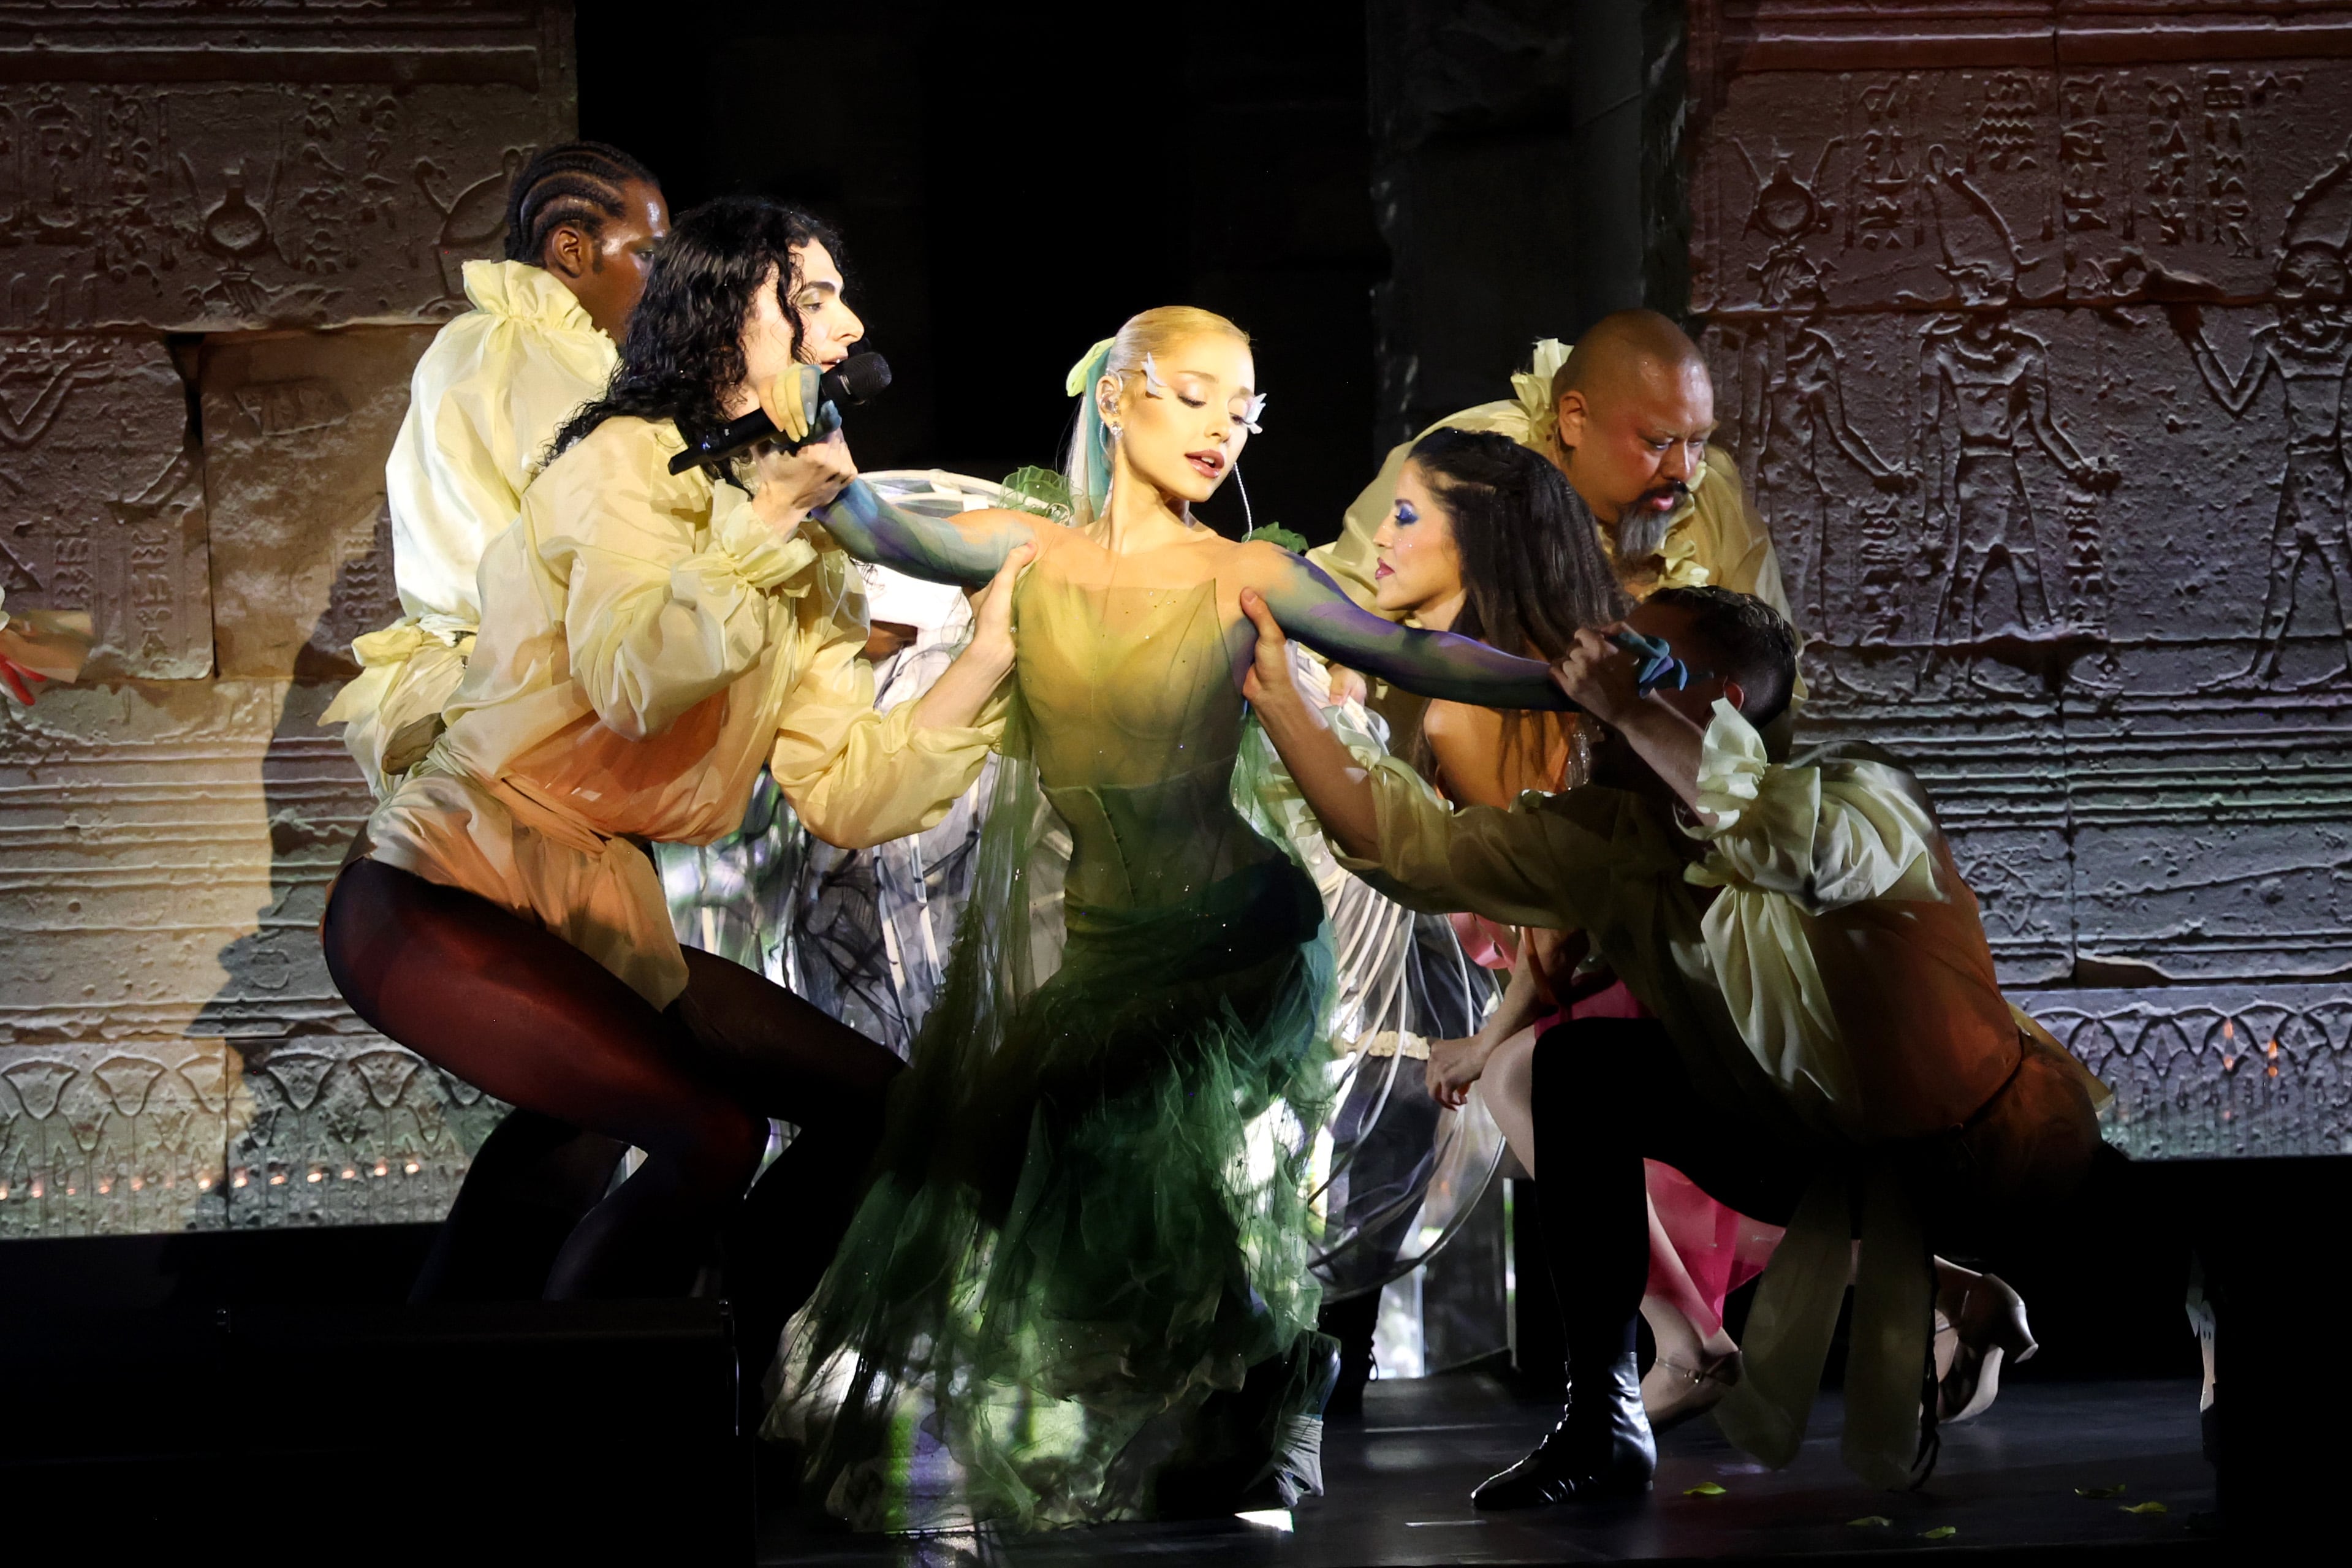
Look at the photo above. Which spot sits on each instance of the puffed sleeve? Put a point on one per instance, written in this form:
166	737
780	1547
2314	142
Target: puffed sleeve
1549	861
856	777
661	613
1825	837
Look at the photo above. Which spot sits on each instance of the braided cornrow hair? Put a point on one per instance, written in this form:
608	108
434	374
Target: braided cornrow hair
577	182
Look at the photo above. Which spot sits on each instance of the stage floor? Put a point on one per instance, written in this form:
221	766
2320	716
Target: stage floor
1398	1490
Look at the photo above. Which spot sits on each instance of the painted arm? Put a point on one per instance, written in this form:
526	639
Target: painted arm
967	550
1313	609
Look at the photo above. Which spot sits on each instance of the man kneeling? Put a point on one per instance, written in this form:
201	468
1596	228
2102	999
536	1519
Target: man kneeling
1829	1047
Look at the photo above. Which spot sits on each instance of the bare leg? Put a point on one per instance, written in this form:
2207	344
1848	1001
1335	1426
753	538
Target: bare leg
1507	1087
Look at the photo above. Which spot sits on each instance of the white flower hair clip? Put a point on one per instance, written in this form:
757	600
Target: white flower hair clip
1252	413
1152	385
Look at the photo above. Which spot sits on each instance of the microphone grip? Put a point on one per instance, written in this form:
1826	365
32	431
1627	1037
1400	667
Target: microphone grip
736	434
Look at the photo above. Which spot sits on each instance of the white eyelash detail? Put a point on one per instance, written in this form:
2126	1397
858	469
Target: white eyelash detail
1253	412
1152	385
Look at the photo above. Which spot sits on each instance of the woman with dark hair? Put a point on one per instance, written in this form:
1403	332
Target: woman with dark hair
648	639
1488	538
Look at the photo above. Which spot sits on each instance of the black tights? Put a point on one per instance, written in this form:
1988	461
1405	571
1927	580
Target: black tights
1607	1094
525	1015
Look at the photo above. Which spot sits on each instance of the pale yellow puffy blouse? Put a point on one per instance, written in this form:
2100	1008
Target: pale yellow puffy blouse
1836	987
1715	536
1843	960
485	400
647	643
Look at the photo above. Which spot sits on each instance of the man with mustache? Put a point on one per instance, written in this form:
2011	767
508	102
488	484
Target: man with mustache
1625	417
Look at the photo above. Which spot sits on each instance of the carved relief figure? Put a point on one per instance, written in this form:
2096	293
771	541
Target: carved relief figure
2310	348
1798	370
469	220
1984	390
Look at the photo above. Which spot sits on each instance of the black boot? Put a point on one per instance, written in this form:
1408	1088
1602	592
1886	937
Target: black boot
1600	1449
1354	1323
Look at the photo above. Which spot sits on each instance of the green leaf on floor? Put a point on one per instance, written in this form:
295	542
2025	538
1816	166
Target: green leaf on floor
2144	1508
1942	1532
2098	1494
1869	1521
1704	1489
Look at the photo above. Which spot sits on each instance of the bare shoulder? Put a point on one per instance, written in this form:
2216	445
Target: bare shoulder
1028	525
1262	564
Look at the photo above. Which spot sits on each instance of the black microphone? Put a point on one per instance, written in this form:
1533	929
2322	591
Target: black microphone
857	380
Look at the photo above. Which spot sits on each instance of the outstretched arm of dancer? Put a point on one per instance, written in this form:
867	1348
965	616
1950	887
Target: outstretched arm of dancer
967	550
1314	609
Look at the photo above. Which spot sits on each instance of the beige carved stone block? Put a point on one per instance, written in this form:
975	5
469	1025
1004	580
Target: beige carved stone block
351	1130
252	166
297	427
102	498
169	844
115	1137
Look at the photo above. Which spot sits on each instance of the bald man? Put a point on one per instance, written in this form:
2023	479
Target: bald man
1626	417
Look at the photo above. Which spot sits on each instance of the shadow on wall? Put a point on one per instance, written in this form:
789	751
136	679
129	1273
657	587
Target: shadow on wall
344	1126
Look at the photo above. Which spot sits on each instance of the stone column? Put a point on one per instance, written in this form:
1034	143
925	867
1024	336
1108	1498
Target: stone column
225	234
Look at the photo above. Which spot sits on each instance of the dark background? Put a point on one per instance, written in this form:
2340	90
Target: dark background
1013	183
1394	198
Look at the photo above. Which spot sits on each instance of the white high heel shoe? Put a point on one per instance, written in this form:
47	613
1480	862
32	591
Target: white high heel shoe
1986	1322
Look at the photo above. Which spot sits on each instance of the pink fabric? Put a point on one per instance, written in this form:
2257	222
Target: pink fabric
1700	1251
1484	943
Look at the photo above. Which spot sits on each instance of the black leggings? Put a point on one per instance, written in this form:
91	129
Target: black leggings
525	1015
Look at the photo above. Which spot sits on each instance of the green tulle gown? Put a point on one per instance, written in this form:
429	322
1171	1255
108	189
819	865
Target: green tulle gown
1078	1289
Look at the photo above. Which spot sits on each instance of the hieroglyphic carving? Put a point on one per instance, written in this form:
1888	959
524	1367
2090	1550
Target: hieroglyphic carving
172	1050
296	430
2243	1072
113	1136
169	1039
2113	624
228	165
104	499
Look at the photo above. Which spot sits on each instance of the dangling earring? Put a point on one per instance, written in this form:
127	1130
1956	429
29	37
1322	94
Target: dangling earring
1249	518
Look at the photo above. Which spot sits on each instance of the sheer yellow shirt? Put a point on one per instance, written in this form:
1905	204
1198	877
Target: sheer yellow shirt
647	643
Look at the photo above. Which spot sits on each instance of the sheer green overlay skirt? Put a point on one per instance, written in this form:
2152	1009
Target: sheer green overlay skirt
1089	1227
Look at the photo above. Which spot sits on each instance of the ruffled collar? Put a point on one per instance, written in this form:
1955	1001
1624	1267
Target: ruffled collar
1678	557
1531	389
522	292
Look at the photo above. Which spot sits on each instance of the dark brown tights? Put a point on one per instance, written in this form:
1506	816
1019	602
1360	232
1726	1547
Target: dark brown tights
525	1015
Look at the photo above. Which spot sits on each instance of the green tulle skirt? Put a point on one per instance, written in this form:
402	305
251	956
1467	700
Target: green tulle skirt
1079	1289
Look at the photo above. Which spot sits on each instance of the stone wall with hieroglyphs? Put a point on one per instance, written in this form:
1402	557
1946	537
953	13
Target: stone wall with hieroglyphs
2031	326
227	232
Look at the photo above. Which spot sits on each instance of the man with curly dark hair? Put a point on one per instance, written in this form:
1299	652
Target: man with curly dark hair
649	640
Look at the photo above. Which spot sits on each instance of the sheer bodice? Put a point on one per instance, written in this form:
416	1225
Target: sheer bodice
1133	698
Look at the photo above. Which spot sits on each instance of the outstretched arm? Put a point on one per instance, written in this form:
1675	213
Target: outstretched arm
967	550
1312	608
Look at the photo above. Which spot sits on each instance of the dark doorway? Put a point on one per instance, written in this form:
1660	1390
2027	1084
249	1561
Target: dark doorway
1013	181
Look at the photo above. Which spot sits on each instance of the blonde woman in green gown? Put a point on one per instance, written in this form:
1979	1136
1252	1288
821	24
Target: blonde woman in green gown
1078	1288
